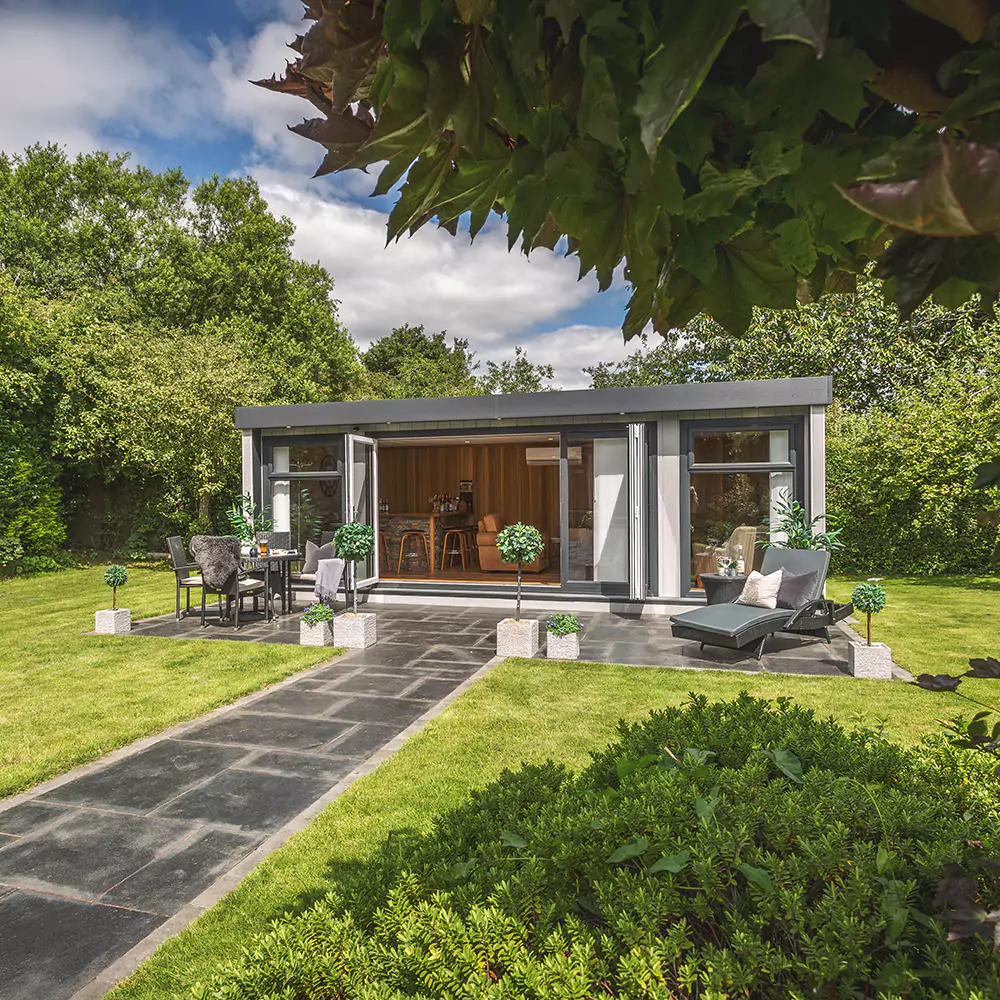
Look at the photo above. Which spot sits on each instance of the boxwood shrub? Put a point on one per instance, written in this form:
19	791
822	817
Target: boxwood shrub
732	849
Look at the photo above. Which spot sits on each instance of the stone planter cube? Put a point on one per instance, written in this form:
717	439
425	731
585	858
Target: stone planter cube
320	634
355	631
113	621
874	661
517	637
562	647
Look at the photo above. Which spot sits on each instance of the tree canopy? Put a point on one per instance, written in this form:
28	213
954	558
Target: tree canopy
728	153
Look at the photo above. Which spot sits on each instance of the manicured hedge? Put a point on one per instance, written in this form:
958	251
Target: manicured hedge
778	856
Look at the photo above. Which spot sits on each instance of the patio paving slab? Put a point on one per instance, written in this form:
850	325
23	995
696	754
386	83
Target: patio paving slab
283	731
53	946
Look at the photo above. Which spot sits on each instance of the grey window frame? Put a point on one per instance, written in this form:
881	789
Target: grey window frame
795	425
268	476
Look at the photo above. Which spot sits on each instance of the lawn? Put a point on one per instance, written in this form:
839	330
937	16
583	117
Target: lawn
522	711
67	698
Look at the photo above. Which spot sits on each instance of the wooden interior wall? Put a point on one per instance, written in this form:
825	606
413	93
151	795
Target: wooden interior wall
502	481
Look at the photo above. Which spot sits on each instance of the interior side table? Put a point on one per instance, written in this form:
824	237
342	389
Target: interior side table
721	589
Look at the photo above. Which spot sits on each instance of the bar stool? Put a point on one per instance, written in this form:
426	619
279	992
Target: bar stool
455	536
383	551
418	538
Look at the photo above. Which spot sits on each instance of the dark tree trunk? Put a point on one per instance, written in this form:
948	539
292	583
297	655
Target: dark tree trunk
518	591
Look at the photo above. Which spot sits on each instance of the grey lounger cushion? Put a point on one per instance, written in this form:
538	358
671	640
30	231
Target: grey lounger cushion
731	620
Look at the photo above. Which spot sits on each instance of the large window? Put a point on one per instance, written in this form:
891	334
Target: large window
306	482
737	479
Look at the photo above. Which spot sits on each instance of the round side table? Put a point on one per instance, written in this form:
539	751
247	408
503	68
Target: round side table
721	589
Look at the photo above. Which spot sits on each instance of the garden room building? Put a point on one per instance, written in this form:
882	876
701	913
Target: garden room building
637	491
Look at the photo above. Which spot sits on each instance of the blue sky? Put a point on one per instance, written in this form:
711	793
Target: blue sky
167	81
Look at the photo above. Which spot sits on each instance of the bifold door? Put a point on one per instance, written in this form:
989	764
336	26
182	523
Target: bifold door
362	497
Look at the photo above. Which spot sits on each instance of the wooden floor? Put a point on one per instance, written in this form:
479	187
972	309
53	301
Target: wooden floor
456	574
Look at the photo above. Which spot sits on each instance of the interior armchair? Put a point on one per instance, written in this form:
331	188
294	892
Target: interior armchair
706	557
489	556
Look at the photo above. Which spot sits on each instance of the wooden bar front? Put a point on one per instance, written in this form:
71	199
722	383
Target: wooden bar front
432	525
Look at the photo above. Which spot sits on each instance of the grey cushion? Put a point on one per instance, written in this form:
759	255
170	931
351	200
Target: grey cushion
250	584
303	578
190	581
797	590
730	619
314	553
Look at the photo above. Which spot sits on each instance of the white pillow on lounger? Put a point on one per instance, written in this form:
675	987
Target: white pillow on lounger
761	591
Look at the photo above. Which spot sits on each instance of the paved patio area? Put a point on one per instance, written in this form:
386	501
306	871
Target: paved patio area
93	862
609	638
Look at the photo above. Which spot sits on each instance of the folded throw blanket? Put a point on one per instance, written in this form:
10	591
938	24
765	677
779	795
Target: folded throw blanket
328	576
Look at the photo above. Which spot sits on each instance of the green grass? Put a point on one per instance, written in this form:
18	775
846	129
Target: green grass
522	711
67	698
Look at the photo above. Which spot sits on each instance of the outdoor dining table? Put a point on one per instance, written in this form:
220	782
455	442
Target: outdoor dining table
281	563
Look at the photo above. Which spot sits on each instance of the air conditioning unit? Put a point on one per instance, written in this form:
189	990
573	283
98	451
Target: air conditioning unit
549	455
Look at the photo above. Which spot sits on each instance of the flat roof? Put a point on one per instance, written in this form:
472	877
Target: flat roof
815	391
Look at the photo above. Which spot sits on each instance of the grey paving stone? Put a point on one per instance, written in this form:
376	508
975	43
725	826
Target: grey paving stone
295	700
51	946
362	741
249	800
801	665
447	653
306	765
279	731
88	852
371	682
28	816
383	654
398	712
637	653
434	690
176	877
334	670
142	781
6	838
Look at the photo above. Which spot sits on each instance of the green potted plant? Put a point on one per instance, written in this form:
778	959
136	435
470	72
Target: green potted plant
114	620
869	659
794	529
247	519
316	626
354	542
519	544
562	637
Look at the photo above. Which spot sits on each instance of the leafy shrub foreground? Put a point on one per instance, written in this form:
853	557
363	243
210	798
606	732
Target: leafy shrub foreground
732	849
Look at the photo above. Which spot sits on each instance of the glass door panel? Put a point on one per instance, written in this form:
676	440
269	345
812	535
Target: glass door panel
597	504
362	489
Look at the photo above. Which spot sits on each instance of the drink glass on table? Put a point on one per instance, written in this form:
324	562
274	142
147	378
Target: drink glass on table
262	546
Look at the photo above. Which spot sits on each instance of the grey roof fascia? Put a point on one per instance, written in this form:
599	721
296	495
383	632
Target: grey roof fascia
635	400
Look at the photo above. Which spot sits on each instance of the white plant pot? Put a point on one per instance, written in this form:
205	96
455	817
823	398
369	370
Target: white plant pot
562	647
245	548
873	662
320	634
113	621
517	637
355	631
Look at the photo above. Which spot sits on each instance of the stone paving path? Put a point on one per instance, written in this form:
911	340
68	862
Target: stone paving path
91	865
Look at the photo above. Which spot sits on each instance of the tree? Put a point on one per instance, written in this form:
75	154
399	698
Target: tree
408	363
871	351
517	375
730	153
134	316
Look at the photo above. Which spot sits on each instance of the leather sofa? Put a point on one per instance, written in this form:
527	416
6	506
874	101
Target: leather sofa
489	558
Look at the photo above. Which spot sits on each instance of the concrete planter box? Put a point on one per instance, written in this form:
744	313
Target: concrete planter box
562	647
113	622
517	637
355	631
873	662
320	634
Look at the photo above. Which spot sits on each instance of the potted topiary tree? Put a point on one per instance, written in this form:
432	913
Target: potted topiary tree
114	620
520	544
316	626
562	637
869	659
353	542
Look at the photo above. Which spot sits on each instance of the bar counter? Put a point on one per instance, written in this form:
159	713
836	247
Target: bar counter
393	525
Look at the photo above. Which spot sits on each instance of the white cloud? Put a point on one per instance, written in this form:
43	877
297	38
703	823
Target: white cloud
84	80
478	291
